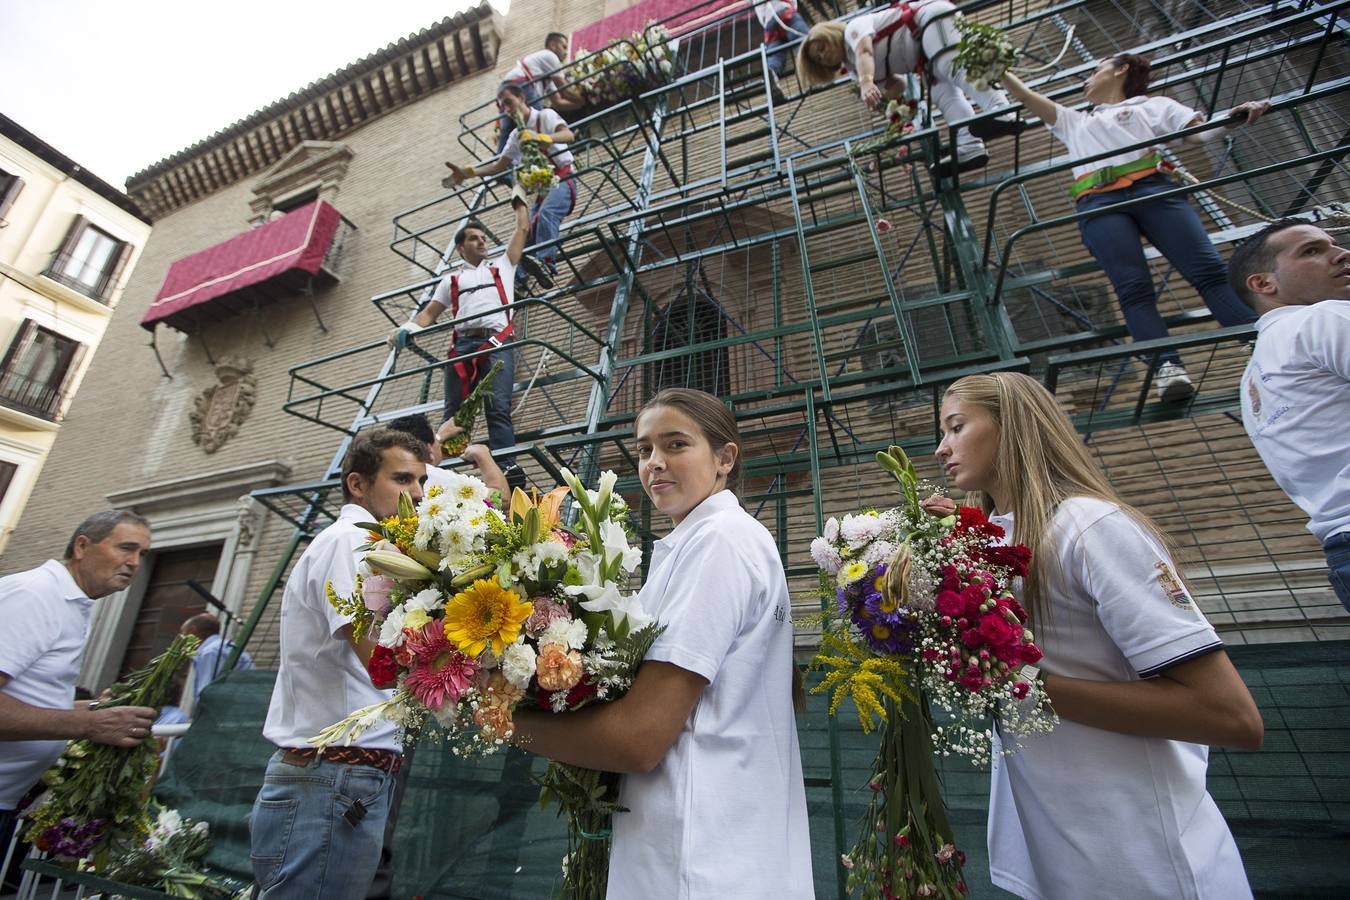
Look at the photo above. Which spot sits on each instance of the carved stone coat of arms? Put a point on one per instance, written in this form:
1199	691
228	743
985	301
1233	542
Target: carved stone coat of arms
219	410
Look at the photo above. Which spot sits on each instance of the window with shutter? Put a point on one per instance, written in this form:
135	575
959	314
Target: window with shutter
7	472
10	185
89	260
36	369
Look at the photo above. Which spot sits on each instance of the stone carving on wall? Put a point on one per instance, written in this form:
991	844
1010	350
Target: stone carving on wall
219	410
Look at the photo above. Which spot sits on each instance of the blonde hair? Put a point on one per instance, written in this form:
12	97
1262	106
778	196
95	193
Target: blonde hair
810	71
1040	462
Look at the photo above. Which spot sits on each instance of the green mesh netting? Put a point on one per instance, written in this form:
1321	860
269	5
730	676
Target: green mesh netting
473	829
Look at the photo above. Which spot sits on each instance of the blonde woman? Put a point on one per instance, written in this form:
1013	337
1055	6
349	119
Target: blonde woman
1113	801
879	49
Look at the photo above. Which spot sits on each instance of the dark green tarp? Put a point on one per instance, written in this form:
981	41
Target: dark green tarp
472	829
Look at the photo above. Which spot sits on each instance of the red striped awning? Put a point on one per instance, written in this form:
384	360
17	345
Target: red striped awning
267	260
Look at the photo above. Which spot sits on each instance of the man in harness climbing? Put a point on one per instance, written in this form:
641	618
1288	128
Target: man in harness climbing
879	49
480	296
552	134
535	74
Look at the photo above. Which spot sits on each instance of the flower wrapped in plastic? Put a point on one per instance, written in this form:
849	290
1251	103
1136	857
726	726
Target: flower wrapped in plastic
926	639
95	806
984	52
479	611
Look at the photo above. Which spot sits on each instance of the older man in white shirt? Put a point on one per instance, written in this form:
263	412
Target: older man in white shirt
1296	390
46	614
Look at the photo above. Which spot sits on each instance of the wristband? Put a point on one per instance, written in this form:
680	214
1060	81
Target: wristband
468	170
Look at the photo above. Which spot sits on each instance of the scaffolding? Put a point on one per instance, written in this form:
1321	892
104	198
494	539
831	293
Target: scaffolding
828	287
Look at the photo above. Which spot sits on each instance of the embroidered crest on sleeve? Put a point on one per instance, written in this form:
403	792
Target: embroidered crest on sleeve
1172	586
1254	398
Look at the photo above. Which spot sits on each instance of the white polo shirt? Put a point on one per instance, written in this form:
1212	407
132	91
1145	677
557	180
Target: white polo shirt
1296	408
1112	125
478	292
321	680
724	814
534	67
1087	812
544	121
46	625
895	54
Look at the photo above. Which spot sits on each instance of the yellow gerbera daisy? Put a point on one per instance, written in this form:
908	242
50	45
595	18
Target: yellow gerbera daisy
485	614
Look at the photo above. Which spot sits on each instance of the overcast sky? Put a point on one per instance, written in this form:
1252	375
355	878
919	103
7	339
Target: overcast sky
118	85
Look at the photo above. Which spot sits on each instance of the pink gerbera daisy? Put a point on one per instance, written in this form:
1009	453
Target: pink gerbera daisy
439	672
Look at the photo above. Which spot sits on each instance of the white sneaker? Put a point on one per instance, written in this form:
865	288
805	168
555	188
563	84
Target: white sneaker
1172	383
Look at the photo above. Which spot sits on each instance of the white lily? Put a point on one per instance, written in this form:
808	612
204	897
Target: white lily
606	598
615	542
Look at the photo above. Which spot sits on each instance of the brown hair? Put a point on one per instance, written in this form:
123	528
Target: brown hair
1137	78
1255	256
713	418
366	454
1040	462
812	72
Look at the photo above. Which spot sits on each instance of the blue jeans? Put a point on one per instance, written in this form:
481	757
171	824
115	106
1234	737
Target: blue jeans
506	124
778	60
302	845
1173	227
1337	549
546	220
501	432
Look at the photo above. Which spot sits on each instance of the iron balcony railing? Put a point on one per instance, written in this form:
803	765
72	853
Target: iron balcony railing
37	398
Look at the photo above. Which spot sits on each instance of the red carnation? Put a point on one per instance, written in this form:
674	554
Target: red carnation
971	637
1015	558
1031	654
968	518
996	630
382	668
972	680
1020	690
950	603
581	691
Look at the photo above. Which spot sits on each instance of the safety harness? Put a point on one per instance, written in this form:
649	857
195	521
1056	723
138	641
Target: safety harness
909	21
1113	178
778	30
470	370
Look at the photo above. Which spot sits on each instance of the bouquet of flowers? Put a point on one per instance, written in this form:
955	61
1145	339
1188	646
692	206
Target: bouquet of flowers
984	52
626	67
480	612
469	410
97	797
900	114
170	860
923	614
535	173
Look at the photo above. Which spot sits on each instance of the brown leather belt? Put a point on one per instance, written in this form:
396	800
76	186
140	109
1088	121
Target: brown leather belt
387	760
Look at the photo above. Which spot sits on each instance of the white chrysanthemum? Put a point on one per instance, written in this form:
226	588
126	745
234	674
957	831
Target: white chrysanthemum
570	632
465	489
878	552
858	530
391	631
831	529
518	664
528	561
826	556
456	540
